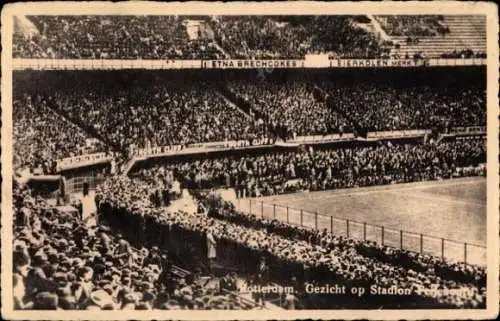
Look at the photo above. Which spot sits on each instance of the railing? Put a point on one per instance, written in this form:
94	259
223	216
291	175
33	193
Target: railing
75	184
417	242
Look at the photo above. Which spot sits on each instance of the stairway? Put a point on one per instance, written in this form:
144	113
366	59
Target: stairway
238	101
377	28
236	108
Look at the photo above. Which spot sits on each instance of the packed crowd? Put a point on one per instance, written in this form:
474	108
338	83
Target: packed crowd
111	37
132	110
381	107
41	136
167	37
293	37
291	105
310	257
60	263
218	37
322	169
157	115
418	26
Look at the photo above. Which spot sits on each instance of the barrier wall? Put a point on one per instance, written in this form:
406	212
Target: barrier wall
99	158
215	147
82	161
115	64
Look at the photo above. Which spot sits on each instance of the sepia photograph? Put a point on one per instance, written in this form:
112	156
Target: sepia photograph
241	160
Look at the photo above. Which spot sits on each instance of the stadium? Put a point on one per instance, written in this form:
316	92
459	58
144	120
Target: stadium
249	162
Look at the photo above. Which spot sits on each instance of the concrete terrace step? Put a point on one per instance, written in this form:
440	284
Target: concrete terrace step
466	32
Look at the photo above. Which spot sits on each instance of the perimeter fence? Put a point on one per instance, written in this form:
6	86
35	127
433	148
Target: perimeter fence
450	250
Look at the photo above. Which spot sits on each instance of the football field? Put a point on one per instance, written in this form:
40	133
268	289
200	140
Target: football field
431	217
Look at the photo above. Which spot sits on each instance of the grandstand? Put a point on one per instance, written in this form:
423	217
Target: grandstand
243	37
280	107
96	37
119	171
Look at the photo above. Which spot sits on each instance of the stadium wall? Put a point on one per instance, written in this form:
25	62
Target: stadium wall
106	64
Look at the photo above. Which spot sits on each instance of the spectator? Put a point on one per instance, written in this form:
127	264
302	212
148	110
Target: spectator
228	283
211	250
